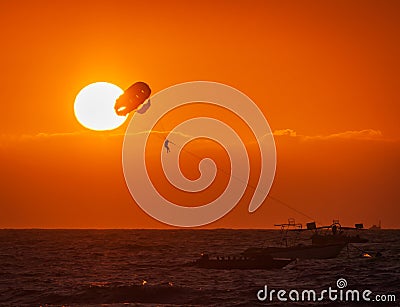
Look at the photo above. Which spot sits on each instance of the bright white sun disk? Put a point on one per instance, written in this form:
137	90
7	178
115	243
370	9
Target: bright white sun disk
94	106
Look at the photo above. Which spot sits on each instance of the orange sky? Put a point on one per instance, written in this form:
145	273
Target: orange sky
325	74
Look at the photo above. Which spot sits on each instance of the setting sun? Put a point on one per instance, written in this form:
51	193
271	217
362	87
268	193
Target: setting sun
94	106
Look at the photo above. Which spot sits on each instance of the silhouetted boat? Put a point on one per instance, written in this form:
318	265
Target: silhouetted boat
289	247
335	234
374	227
242	262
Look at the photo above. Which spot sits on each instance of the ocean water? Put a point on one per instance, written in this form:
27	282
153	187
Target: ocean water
150	268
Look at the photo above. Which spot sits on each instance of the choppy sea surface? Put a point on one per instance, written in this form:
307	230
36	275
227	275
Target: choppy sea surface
150	268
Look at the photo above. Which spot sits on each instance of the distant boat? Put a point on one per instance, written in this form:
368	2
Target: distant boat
292	249
374	227
327	241
242	263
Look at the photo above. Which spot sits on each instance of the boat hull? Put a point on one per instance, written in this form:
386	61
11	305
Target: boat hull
300	252
336	239
259	263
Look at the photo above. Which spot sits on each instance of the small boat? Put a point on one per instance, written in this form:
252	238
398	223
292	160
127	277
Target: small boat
290	248
335	234
375	227
242	262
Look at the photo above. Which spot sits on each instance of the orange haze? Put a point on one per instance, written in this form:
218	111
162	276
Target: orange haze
324	73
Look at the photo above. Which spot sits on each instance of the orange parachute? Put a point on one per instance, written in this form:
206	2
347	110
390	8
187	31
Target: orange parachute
133	98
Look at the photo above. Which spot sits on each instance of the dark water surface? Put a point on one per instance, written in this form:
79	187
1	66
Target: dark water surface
148	268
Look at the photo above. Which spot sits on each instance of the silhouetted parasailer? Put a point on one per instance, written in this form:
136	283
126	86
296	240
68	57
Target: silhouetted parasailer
133	98
166	143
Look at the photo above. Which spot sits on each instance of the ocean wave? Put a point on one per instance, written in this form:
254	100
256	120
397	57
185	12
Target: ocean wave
99	293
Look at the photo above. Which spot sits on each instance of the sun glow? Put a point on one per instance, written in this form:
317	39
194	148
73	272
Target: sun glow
94	106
